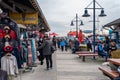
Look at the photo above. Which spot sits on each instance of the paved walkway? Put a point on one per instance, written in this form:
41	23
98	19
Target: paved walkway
67	66
40	73
71	67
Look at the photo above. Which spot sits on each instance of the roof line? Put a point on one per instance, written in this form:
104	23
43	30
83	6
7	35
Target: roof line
112	23
37	7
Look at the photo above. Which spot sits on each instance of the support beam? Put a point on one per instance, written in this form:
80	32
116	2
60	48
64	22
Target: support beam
37	7
23	7
7	6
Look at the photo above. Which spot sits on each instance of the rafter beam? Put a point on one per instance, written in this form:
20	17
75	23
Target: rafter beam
37	7
7	6
23	7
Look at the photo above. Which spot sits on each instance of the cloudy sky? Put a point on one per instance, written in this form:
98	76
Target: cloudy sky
59	13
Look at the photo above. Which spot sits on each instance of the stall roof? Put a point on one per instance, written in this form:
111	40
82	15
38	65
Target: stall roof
37	7
115	22
20	6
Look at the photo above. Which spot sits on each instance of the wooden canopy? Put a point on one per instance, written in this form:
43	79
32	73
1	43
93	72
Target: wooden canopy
25	6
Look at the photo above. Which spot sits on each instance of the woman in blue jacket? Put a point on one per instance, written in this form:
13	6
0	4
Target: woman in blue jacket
101	51
62	44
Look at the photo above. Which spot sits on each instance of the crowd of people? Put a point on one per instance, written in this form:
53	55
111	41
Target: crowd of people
47	46
64	44
103	48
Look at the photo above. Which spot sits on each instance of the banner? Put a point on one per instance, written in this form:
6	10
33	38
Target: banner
25	18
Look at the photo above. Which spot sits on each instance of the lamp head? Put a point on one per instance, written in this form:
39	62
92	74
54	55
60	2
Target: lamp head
81	23
102	14
85	14
71	23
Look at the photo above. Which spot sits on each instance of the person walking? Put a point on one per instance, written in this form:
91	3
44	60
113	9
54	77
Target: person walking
41	57
54	40
66	44
58	43
46	45
62	44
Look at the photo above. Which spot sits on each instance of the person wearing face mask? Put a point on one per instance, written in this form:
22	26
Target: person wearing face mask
41	57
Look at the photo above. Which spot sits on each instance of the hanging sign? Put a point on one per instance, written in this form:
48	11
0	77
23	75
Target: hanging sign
25	18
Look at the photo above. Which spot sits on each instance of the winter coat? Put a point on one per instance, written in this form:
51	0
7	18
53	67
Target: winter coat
46	46
77	44
66	43
62	43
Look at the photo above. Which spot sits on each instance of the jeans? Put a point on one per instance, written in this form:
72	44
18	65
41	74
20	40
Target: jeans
48	61
41	57
66	47
103	54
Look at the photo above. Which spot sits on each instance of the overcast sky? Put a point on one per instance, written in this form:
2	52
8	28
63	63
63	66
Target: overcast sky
59	13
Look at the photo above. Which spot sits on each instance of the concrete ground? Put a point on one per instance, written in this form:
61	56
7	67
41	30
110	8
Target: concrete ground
67	66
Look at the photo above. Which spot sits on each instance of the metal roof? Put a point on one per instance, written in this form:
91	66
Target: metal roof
115	22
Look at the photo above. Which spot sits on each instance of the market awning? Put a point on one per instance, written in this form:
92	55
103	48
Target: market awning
115	22
114	25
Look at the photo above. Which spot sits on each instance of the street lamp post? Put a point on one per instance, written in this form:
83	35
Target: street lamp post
76	26
94	25
76	19
94	13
